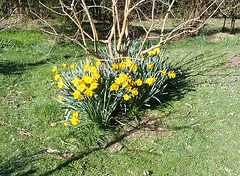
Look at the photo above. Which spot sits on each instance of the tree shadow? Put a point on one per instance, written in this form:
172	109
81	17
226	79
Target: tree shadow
17	68
18	164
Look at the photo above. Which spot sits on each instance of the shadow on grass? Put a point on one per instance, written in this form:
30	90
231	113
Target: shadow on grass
17	68
18	165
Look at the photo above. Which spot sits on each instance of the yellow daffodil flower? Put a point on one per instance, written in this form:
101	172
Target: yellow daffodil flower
98	63
128	88
139	82
114	86
94	85
65	123
94	69
118	80
128	62
150	80
77	94
114	67
72	66
61	84
125	84
150	65
82	87
135	67
96	75
87	67
76	81
126	97
163	73
87	79
122	65
89	93
64	65
172	75
75	121
75	115
134	92
54	69
60	98
57	77
157	50
152	53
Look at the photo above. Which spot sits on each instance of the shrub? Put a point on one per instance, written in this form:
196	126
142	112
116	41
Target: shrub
93	92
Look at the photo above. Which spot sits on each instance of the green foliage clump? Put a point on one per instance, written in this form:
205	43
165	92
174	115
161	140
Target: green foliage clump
93	93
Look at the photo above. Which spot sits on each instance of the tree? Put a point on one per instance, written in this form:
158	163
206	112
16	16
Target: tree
119	37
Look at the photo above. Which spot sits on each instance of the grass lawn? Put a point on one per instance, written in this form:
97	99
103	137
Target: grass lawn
198	129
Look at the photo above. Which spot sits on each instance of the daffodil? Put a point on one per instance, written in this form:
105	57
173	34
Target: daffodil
75	114
87	79
139	82
77	94
128	88
57	77
94	85
152	53
72	66
87	67
126	97
82	87
125	84
94	69
135	67
61	84
75	121
118	80
163	73
122	65
98	63
150	65
89	93
128	62
172	75
150	80
60	98
157	50
65	123
55	69
114	86
114	67
134	92
96	76
64	65
76	81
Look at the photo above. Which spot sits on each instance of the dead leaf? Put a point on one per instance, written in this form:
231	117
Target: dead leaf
53	124
161	152
196	125
49	150
24	133
188	105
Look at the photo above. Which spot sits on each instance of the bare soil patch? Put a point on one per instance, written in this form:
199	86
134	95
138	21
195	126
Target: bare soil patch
234	61
149	126
220	36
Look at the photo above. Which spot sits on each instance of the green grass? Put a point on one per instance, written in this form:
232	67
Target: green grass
202	120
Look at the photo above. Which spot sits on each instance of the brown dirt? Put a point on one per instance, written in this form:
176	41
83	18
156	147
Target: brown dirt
220	36
149	126
234	61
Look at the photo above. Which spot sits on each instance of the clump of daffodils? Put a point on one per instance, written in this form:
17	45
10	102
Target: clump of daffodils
92	92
